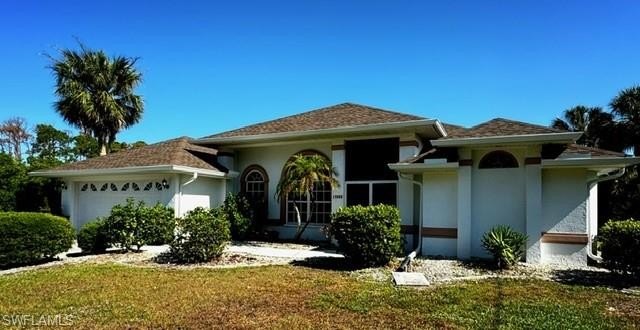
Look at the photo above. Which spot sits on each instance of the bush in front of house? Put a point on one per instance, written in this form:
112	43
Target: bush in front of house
506	245
136	224
238	211
27	237
619	245
125	225
93	236
201	235
368	235
159	224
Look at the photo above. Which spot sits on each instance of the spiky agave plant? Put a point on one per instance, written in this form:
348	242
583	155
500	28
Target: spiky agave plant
506	245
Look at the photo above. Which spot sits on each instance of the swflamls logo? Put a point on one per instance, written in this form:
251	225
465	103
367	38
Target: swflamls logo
31	320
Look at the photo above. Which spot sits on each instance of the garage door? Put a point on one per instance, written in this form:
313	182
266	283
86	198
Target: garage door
95	199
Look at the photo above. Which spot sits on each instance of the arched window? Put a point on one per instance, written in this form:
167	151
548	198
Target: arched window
318	202
254	186
498	159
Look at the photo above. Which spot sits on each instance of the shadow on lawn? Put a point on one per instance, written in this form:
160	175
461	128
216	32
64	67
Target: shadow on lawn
595	278
326	263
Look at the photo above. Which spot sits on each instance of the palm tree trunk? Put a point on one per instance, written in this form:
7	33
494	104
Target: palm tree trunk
306	223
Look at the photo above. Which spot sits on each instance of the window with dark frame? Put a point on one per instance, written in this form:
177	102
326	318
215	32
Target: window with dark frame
368	178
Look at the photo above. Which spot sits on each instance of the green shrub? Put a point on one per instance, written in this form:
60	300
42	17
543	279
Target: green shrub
124	225
238	212
159	223
369	236
93	236
135	224
506	245
200	236
620	245
27	238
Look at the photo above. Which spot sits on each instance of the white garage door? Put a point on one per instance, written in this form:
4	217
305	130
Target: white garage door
95	199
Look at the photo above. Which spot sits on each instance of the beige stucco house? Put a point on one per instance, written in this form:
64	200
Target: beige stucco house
450	183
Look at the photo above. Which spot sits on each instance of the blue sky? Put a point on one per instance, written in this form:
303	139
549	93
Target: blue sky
211	66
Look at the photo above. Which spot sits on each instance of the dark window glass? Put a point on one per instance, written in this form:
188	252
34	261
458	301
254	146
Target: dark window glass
368	159
357	194
498	159
384	193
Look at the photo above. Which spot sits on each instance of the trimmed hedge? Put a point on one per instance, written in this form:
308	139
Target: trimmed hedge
238	211
200	236
135	224
93	236
620	245
368	235
159	223
28	237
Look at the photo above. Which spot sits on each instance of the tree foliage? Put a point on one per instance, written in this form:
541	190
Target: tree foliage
299	176
14	134
96	93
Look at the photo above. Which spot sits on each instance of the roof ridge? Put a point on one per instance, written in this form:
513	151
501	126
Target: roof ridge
380	109
305	120
519	122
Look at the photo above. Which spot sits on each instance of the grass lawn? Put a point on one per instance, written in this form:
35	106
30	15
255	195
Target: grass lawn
109	295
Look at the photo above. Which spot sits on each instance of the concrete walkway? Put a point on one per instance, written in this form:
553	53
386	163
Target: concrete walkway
272	250
282	252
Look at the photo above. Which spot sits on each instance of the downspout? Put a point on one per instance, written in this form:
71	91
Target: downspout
409	258
590	183
193	178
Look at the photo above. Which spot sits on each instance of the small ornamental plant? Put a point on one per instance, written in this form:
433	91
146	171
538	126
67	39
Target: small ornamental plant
506	245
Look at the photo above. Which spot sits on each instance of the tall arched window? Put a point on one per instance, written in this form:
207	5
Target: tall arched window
498	159
255	185
318	202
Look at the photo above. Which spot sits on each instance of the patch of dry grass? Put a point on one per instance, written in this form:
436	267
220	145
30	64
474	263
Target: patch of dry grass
116	296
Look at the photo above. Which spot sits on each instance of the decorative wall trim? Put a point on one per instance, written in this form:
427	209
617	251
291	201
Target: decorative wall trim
412	143
408	229
337	147
465	162
533	161
564	238
440	232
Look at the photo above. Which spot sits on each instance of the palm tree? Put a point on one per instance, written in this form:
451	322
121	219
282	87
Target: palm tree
598	126
299	176
96	93
626	105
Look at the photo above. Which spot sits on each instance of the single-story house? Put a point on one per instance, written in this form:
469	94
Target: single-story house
450	183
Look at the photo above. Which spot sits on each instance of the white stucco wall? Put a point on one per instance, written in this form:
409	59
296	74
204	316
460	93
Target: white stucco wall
203	192
565	208
564	200
272	159
498	198
439	207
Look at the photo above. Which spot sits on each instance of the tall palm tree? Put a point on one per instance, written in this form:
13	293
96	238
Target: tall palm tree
299	176
96	93
626	105
598	127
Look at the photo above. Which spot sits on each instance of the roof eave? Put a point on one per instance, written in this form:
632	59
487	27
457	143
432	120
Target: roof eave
370	128
598	163
565	137
134	170
416	168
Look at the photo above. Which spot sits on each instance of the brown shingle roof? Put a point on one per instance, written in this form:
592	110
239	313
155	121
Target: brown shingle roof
500	127
341	115
171	152
593	152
